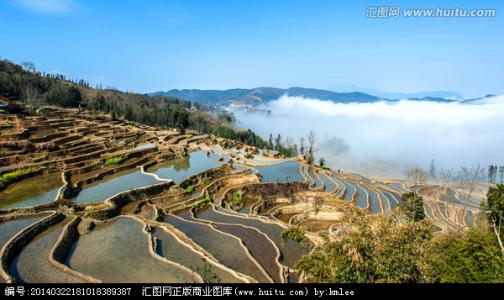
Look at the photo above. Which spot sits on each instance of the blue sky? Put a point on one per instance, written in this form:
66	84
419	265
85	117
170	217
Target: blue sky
155	45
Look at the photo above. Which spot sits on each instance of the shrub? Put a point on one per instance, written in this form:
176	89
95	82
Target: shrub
473	257
11	176
237	197
412	206
114	160
201	202
370	250
296	234
189	189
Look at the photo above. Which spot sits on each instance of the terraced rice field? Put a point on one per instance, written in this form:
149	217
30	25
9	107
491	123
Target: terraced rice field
290	251
32	265
329	185
225	248
9	228
374	200
182	168
168	216
119	252
33	191
116	184
177	251
281	173
362	196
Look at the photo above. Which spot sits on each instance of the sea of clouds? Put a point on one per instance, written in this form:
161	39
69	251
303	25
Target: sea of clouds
386	138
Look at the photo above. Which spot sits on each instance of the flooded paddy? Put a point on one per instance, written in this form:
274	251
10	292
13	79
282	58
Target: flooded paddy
384	202
119	252
227	250
349	191
362	197
281	173
32	264
9	228
258	245
398	186
179	169
469	218
170	248
329	185
290	250
316	180
112	185
392	199
214	156
31	191
374	200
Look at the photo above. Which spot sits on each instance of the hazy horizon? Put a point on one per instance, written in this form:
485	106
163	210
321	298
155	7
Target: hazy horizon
385	139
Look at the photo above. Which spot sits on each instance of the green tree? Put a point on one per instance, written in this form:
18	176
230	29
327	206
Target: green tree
494	205
472	257
129	115
278	142
180	118
322	162
295	234
64	95
99	103
369	249
412	206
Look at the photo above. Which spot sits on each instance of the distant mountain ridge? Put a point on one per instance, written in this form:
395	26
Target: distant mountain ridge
255	96
416	95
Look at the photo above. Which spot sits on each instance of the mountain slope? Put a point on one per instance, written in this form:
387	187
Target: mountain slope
254	96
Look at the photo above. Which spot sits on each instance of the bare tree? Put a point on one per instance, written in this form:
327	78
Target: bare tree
432	170
288	142
494	208
501	174
29	66
469	179
447	177
419	177
302	146
497	225
311	146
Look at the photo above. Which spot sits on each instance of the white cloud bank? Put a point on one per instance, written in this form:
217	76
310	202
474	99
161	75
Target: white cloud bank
386	138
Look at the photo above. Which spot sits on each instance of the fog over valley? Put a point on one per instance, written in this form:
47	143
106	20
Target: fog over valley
383	139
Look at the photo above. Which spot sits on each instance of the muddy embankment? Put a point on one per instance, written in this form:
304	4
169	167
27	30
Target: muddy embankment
116	202
268	192
62	248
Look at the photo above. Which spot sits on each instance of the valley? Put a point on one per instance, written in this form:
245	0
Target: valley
85	197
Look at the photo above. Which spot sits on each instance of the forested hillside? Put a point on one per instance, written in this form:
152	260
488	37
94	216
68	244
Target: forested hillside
23	83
